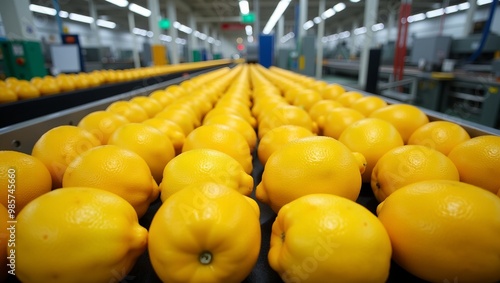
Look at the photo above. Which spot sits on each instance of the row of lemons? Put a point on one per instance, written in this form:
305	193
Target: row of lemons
80	193
13	89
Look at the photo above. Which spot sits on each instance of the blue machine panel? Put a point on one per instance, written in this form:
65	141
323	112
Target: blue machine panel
266	50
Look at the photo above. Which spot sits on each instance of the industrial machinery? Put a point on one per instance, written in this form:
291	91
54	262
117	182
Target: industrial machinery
22	59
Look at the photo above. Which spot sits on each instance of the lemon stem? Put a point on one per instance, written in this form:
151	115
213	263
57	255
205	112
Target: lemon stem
205	258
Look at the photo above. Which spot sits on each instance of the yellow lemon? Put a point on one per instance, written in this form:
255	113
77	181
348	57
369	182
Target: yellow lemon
77	235
442	136
102	124
149	143
349	97
150	105
131	111
478	161
236	123
444	231
307	166
338	119
230	251
221	138
171	129
366	105
406	118
333	91
162	97
7	95
204	165
23	178
59	146
372	138
306	99
277	138
25	90
286	115
117	170
184	118
49	87
320	237
408	164
320	110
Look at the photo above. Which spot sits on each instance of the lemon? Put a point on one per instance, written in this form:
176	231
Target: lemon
77	235
277	138
366	105
408	164
406	118
306	99
372	138
221	138
149	143
171	129
131	111
442	136
185	118
102	124
59	146
117	170
286	115
348	98
7	95
236	123
320	110
478	161
307	166
444	231
150	105
217	243
320	237
338	119
333	91
25	90
204	165
162	97
23	178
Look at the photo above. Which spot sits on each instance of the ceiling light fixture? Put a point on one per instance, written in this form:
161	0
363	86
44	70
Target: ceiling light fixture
278	12
451	9
339	7
416	18
307	25
42	10
328	14
63	14
360	30
464	6
81	18
106	24
248	30
483	2
244	7
435	13
119	3
139	10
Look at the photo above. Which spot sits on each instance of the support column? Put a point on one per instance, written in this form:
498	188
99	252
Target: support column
194	53
321	33
371	11
18	20
281	31
135	49
256	25
469	21
93	26
352	50
302	19
399	63
158	50
172	16
391	25
206	45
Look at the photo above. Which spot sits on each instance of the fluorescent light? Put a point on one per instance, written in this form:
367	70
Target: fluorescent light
106	24
287	37
244	8
483	2
248	30
354	1
435	13
81	18
139	10
196	33
464	6
185	29
176	24
181	41
278	12
360	30
416	18
164	37
211	40
307	25
119	3
377	27
149	33
250	38
139	31
328	14
451	9
63	14
317	20
42	10
339	7
344	34
203	36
